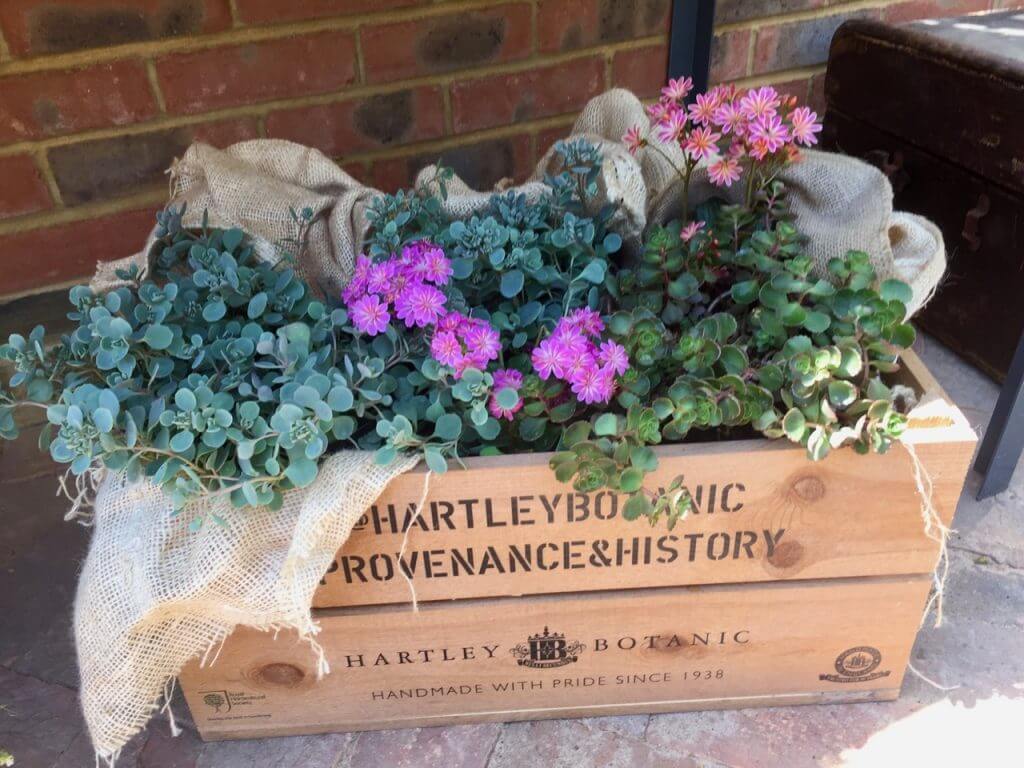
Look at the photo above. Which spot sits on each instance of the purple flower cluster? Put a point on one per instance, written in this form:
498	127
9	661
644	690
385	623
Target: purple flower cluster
406	283
464	342
573	355
505	378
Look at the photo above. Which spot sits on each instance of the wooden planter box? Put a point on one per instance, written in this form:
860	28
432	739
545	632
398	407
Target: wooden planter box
792	582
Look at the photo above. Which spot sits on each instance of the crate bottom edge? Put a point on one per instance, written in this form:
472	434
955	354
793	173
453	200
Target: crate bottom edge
547	713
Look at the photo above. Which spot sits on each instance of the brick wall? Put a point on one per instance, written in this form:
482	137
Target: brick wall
98	96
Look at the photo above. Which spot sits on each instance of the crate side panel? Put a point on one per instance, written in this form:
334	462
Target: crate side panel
657	650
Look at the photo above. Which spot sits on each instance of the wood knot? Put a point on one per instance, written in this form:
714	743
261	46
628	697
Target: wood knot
284	675
787	554
808	488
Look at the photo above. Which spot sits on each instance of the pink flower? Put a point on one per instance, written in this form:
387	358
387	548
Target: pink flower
729	118
593	384
451	321
672	127
702	143
419	305
370	315
702	111
613	356
768	135
677	89
426	262
550	358
690	231
804	124
760	103
583	360
446	349
570	337
585	320
482	343
660	110
633	140
724	171
505	378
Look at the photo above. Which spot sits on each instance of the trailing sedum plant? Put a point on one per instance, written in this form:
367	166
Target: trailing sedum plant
521	328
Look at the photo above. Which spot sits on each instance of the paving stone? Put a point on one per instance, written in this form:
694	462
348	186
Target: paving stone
573	743
40	557
306	751
462	746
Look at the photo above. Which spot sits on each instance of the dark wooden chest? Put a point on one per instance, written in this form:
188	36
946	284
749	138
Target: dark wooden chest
939	107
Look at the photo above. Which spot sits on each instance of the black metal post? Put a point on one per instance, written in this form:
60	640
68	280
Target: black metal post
1004	437
691	35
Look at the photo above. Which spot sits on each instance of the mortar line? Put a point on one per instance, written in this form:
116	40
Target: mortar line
807	14
43	164
236	19
5	51
154	84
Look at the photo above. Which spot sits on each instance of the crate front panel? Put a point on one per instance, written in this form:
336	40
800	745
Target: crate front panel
763	512
566	655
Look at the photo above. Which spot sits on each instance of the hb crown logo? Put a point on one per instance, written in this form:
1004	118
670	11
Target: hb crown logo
549	649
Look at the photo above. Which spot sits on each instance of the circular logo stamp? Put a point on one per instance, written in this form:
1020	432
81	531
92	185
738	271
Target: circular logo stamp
857	665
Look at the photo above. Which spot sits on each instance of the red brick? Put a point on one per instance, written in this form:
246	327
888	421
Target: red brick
360	124
246	74
446	43
34	27
799	44
931	9
130	163
60	254
275	11
22	189
729	52
547	137
50	103
481	165
641	70
564	25
510	98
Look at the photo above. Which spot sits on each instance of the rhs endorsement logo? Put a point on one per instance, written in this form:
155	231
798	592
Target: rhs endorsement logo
546	650
857	665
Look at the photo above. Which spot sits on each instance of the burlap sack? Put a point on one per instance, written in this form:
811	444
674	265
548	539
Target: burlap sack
152	595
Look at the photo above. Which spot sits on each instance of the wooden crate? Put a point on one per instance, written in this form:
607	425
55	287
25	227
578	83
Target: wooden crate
792	582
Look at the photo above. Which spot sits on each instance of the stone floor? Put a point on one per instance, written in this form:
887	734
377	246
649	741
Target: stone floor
977	658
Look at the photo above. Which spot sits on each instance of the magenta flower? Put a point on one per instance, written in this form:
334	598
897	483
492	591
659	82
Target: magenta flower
482	342
570	337
760	103
380	277
672	127
586	320
702	111
633	140
505	378
677	89
702	143
370	315
419	305
613	356
425	261
724	171
660	110
804	124
768	135
550	358
451	321
582	361
690	231
592	384
446	349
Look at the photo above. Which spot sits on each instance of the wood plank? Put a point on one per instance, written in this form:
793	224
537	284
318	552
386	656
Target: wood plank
628	651
506	526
